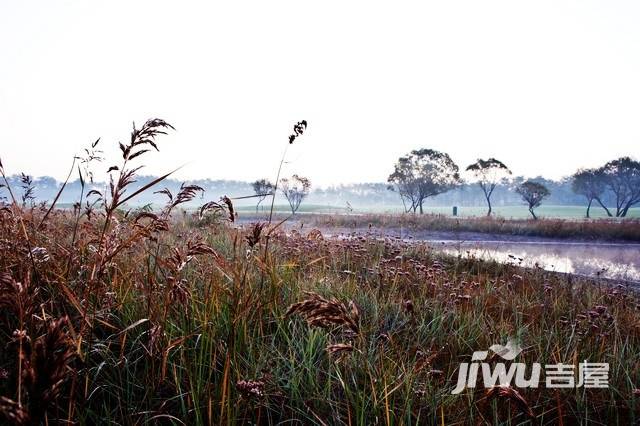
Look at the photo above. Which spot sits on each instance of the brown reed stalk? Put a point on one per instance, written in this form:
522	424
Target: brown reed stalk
325	313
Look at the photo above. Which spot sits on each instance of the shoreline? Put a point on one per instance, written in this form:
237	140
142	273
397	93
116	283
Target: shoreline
440	227
584	257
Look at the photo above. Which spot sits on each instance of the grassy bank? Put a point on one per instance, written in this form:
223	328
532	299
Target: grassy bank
503	212
601	229
151	320
548	211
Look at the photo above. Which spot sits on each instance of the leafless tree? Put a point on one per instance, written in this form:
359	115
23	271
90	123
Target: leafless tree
262	188
295	189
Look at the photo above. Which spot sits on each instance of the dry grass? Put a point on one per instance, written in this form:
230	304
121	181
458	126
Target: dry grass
135	317
596	229
320	312
184	308
510	395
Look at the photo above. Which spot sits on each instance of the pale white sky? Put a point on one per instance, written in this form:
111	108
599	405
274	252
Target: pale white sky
545	86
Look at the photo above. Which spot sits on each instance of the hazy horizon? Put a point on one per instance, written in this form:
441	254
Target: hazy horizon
546	87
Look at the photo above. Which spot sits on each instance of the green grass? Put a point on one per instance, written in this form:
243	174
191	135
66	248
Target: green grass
284	208
509	212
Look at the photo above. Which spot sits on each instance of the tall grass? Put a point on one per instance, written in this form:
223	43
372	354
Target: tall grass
111	316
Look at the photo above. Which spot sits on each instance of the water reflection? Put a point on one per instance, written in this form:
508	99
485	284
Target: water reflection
618	261
614	261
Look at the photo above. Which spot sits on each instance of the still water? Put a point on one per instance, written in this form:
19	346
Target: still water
607	260
616	261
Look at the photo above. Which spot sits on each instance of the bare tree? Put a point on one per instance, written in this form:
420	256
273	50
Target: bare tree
532	193
590	183
295	189
489	174
622	177
262	188
422	174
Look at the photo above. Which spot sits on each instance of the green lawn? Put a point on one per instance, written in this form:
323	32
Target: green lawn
517	212
558	212
304	208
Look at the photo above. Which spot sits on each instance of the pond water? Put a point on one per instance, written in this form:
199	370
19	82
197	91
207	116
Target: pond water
594	259
616	261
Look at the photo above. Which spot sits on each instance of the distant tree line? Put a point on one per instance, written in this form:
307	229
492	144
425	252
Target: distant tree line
426	173
423	177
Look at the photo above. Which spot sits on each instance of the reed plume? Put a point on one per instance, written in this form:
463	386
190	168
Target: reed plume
324	313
